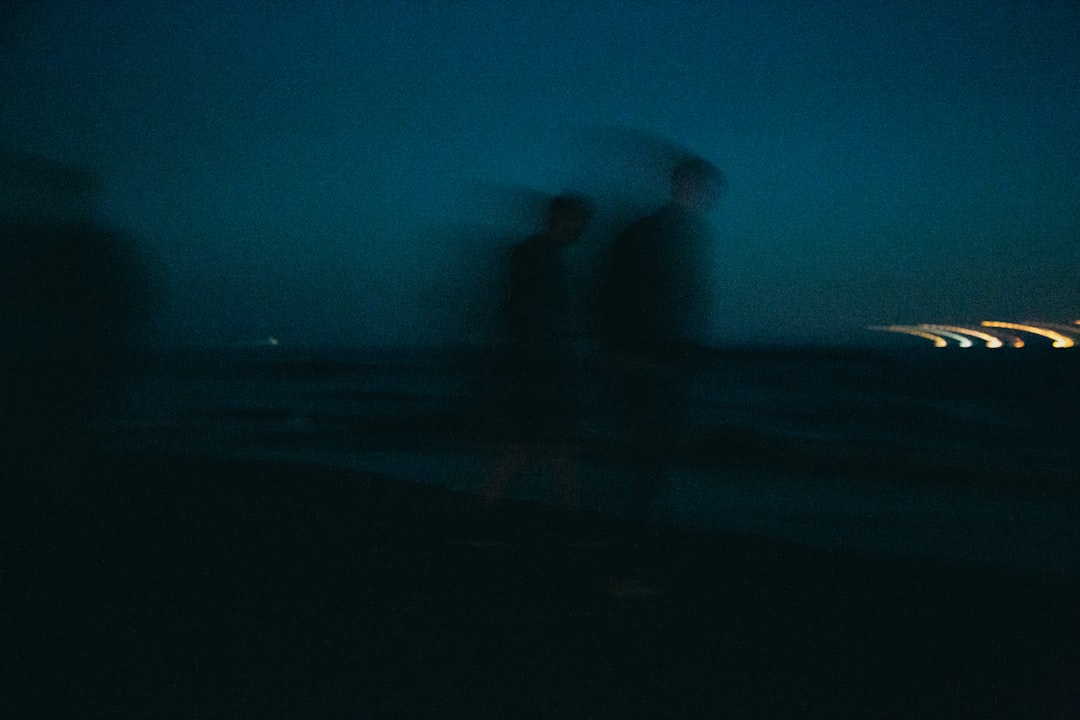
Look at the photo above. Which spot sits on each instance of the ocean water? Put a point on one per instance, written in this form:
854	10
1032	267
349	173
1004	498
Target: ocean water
957	454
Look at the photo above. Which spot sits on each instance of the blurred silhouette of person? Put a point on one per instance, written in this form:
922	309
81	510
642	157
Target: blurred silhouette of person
540	395
72	301
652	314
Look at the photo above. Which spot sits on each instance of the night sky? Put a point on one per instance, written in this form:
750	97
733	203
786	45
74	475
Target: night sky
347	171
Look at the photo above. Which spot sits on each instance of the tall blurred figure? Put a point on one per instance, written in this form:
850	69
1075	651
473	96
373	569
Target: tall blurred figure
74	300
540	399
653	312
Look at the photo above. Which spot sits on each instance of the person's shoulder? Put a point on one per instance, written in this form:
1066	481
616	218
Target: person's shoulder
674	214
677	222
533	252
631	228
525	247
532	243
643	230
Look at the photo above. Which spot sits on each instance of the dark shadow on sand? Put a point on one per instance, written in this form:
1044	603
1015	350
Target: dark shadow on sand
182	587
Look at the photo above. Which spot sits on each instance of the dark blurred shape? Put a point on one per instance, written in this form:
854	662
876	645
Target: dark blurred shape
72	301
652	314
33	187
10	12
626	164
539	406
74	298
654	292
464	273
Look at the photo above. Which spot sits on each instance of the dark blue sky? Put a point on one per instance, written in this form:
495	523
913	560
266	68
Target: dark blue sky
337	170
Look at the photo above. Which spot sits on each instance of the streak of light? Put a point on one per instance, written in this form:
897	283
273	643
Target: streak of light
1067	329
962	341
991	341
911	330
1060	341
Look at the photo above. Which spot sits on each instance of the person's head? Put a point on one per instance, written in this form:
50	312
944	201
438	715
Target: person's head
697	184
567	218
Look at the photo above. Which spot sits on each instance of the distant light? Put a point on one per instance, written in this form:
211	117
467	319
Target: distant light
1060	341
960	339
1068	330
271	340
990	340
912	330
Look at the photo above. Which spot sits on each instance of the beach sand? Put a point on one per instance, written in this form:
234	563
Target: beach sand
157	586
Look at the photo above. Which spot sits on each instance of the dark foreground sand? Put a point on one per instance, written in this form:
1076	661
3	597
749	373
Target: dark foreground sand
181	587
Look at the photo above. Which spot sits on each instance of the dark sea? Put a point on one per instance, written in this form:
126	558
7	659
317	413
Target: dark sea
964	455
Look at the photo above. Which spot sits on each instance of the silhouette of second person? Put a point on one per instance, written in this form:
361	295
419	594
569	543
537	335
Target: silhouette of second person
653	312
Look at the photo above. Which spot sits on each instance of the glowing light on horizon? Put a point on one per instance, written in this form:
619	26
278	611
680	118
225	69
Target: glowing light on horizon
1060	341
962	341
912	330
991	341
1068	330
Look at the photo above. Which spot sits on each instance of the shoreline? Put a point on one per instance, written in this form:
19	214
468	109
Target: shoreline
182	586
